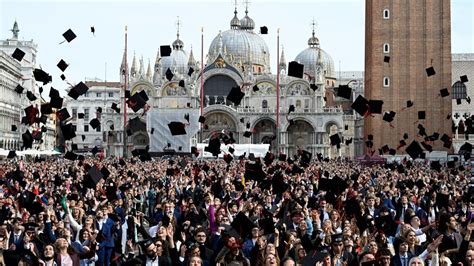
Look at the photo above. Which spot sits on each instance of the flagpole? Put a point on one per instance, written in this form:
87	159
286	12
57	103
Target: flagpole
125	100
278	93
202	80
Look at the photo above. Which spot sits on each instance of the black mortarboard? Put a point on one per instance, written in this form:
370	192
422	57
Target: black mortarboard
68	131
93	30
335	139
344	91
214	146
74	147
458	101
70	156
177	128
62	65
152	130
405	135
18	54
112	127
27	139
427	146
127	94
291	109
370	137
392	152
62	114
169	74
44	129
56	102
421	115
267	225
95	123
228	158
63	77
247	134
78	90
190	71
402	143
346	127
314	87
202	119
95	175
14	128
99	110
46	109
165	50
242	224
136	102
348	141
263	30
83	137
115	108
386	59
430	71
69	35
409	103
375	106
360	105
414	150
435	165
43	119
42	76
444	92
54	93
181	83
11	154
19	89
388	116
464	78
255	88
235	95
421	130
30	96
80	115
295	69
194	151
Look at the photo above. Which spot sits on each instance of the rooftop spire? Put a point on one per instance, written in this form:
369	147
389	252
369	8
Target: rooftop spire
191	61
282	59
15	30
178	44
235	22
313	41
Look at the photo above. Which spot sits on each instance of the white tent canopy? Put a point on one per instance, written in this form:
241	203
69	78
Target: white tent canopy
4	152
259	150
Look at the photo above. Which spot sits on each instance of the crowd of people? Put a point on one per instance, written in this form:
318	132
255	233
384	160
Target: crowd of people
263	211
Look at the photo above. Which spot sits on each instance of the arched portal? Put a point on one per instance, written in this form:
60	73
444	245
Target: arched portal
217	122
216	89
299	136
265	133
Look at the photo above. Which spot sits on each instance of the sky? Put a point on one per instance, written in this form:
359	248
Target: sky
340	29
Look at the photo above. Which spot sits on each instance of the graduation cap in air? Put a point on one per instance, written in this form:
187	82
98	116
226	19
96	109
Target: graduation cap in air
62	114
31	96
69	35
214	146
235	95
78	90
68	131
165	50
93	177
421	130
194	151
291	109
348	141
11	154
41	75
63	77
247	134
427	146
80	115
458	101
464	78
46	109
295	69
169	74
83	137
99	110
27	139
62	65
136	102
56	102
421	115
360	105
389	116
228	158
335	139
409	103
242	224
19	89
18	54
190	71
186	117
414	150
255	88
14	128
314	87
115	108
74	147
444	92
344	91
177	128
263	30
70	155
430	71
202	119
375	106
386	59
93	30
95	123
181	83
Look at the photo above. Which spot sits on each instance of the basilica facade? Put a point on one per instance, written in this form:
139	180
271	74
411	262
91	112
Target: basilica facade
239	57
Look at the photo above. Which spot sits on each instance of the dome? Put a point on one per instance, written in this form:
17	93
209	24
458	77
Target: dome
246	23
177	61
235	22
310	56
241	46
